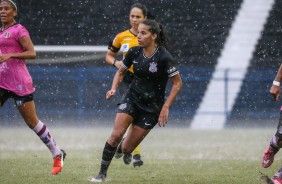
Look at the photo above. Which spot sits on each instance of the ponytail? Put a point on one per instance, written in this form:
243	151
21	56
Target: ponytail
163	39
156	28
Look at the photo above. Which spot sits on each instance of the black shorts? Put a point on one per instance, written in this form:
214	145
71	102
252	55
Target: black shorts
141	118
19	100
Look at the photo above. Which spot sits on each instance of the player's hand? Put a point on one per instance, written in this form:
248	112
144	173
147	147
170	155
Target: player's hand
4	57
110	93
163	117
275	92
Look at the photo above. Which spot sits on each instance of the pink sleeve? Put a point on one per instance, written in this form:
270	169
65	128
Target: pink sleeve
21	33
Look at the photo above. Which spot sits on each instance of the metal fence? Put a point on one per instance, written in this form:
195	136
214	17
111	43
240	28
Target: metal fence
79	93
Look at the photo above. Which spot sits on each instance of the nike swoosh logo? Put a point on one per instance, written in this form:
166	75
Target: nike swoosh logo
147	124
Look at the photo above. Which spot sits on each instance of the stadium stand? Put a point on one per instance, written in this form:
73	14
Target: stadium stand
254	105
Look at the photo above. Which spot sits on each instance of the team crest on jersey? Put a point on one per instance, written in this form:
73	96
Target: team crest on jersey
153	67
6	35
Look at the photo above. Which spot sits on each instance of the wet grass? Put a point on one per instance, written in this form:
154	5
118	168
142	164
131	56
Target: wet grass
171	155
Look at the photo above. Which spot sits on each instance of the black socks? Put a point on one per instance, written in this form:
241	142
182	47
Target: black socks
108	154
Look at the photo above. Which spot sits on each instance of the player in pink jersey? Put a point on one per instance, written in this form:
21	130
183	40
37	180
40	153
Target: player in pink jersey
15	80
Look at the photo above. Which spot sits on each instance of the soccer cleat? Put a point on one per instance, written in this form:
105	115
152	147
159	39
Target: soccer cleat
127	158
137	160
98	179
268	156
276	180
58	162
118	153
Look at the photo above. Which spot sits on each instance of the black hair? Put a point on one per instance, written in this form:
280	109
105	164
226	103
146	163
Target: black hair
140	6
156	28
14	6
150	15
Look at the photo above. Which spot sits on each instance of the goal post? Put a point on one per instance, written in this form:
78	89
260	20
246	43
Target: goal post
70	48
58	54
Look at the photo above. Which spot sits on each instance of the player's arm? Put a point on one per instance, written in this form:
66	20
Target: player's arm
275	88
110	57
176	86
28	53
118	78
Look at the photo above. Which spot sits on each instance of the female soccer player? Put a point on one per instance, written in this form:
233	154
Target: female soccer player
15	80
143	106
276	140
124	41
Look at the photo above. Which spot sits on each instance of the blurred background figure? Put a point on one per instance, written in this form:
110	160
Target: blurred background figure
276	140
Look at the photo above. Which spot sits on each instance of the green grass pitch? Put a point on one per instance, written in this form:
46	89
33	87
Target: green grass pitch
171	155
